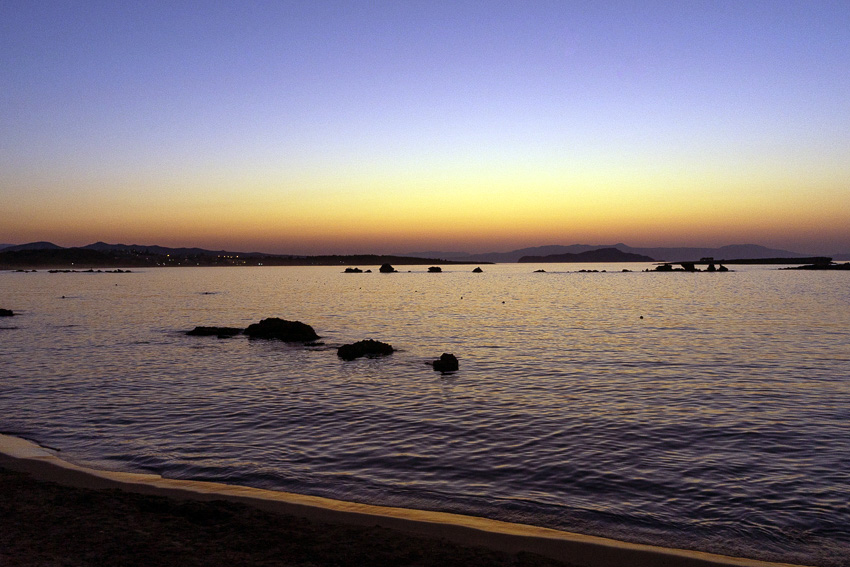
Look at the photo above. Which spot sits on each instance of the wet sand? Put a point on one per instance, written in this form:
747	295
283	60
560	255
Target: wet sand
55	513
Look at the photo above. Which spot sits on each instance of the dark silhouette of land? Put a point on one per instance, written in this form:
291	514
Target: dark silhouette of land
822	266
103	255
601	255
661	254
817	260
47	255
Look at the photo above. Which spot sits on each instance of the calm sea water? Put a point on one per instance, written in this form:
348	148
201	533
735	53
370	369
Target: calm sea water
719	421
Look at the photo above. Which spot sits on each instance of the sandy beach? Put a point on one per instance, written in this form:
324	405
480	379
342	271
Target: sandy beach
55	513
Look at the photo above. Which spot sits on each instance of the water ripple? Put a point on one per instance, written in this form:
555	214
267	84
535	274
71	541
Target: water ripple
716	422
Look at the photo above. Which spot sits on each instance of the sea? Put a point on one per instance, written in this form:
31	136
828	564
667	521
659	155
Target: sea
706	411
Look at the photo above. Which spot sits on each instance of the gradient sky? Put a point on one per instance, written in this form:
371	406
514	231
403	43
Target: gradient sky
310	127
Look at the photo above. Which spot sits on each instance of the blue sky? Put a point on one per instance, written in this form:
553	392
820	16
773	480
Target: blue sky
386	126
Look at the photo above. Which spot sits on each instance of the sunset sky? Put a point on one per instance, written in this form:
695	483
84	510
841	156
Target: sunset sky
312	127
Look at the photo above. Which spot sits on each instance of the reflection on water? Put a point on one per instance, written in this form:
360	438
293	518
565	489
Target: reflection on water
702	410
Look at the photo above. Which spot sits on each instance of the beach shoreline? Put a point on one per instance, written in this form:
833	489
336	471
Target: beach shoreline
569	548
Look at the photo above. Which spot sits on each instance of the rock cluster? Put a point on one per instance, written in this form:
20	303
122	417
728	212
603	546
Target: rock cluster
296	331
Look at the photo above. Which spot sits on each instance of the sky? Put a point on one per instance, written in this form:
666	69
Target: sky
392	126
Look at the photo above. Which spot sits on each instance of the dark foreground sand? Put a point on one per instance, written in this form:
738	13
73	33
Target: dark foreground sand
53	513
45	523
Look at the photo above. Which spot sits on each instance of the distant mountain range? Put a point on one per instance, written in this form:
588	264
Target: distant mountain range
600	255
661	254
103	254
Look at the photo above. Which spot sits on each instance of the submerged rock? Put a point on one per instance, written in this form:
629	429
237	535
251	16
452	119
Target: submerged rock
368	347
214	331
280	329
6	313
447	363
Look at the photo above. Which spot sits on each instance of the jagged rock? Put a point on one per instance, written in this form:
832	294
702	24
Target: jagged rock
386	269
368	347
447	363
6	313
477	270
435	269
214	331
275	328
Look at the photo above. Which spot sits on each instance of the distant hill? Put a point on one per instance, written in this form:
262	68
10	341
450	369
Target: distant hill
67	258
600	255
32	246
154	249
201	256
436	254
661	254
102	255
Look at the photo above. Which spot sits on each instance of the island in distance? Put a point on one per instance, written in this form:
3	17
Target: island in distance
601	255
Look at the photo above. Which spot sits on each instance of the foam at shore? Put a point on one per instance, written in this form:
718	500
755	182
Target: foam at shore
589	551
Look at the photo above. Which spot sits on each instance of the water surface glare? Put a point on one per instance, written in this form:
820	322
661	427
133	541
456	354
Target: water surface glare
719	421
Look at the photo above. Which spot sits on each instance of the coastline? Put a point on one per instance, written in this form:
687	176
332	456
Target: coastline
575	549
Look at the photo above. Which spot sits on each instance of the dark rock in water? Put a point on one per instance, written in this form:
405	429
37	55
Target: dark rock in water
435	269
214	331
477	270
368	347
6	313
353	271
447	363
711	268
386	269
275	328
539	271
368	271
722	268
